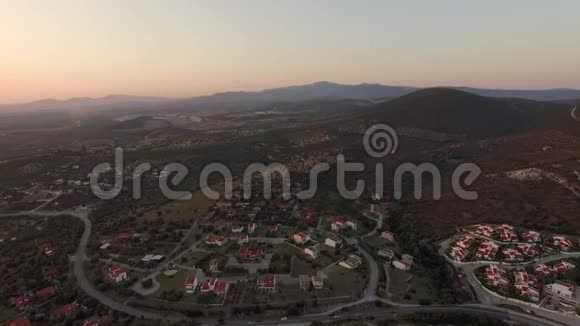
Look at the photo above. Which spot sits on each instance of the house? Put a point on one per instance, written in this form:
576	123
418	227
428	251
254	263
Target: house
304	282
311	252
125	236
388	235
251	227
337	223
403	265
63	311
89	323
46	292
352	225
190	284
214	266
528	249
563	290
266	282
487	250
531	236
494	275
562	266
333	241
247	253
237	228
20	302
215	240
49	271
244	238
562	242
317	282
351	262
542	270
47	249
464	241
19	321
272	228
388	254
512	254
484	230
526	290
215	285
524	277
116	274
302	237
457	253
506	235
209	285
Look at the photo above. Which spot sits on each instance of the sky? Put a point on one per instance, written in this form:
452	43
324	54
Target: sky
74	48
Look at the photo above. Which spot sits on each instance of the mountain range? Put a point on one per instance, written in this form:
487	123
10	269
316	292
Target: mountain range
243	100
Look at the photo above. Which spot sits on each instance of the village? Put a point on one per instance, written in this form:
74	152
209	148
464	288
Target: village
536	269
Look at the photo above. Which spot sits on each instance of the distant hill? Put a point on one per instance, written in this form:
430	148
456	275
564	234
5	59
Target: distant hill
78	103
453	111
240	101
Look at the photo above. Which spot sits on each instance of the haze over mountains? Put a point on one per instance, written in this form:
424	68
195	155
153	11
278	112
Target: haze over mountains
241	100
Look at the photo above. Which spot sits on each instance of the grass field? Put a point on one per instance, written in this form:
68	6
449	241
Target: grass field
193	258
345	282
377	242
285	249
175	282
178	210
407	288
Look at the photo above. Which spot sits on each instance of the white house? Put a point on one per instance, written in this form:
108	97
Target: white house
117	274
311	252
352	262
302	237
333	242
562	290
190	284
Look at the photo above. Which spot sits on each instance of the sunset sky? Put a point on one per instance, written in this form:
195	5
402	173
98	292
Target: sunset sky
61	49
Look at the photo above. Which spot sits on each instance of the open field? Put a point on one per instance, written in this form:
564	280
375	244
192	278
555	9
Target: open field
345	282
175	282
408	288
178	210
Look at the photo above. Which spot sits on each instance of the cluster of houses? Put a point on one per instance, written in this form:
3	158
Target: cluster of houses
307	282
215	240
515	247
506	233
211	285
527	285
339	223
524	283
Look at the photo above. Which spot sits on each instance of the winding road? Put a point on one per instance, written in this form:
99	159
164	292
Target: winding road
80	258
573	113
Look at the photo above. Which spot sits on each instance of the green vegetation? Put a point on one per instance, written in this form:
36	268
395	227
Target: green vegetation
345	282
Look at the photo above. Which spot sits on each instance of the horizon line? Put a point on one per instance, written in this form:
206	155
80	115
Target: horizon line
161	97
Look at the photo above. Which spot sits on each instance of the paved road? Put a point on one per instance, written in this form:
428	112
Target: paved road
573	113
80	258
370	295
